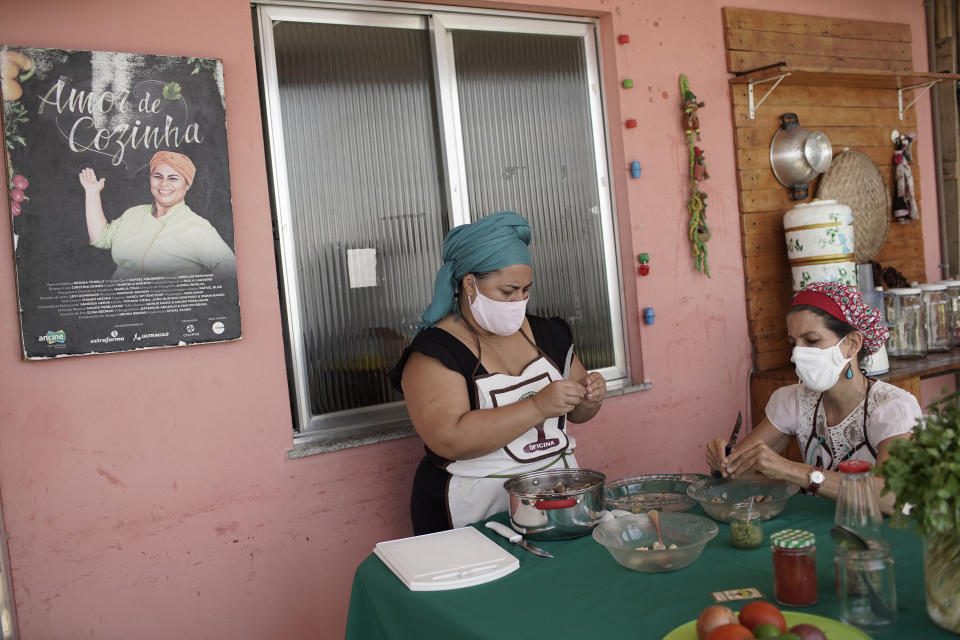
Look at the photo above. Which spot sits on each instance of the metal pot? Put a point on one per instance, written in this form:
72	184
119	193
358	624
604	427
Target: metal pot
541	512
797	155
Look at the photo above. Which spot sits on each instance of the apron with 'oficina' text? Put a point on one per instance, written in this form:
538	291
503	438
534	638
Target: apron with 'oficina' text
475	490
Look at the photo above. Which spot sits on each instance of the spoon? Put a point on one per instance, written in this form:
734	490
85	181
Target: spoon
654	516
847	537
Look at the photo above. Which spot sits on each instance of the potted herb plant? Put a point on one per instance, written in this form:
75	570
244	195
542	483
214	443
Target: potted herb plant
924	473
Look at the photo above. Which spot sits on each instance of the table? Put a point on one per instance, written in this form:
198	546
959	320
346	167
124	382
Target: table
583	593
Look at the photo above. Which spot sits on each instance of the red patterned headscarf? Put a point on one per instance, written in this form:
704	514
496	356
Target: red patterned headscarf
846	303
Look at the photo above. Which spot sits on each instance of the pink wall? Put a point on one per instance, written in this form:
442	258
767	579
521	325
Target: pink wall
147	495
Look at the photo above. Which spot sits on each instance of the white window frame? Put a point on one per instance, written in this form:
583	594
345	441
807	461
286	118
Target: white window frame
372	424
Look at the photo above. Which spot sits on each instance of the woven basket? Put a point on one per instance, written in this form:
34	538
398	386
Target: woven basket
854	179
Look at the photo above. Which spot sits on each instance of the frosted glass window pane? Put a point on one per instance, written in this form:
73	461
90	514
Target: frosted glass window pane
363	163
528	146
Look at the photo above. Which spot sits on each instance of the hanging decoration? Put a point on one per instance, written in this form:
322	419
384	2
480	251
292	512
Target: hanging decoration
699	232
905	201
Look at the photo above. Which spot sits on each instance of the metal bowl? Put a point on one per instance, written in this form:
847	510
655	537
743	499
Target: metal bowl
630	540
662	491
718	495
557	504
797	155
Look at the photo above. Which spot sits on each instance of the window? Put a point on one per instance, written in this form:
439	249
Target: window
385	130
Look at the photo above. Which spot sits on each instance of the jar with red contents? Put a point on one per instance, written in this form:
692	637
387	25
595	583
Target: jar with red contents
794	567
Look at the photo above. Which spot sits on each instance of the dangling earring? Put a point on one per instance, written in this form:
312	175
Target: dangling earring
849	374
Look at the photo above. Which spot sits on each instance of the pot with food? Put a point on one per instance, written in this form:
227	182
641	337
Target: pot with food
557	504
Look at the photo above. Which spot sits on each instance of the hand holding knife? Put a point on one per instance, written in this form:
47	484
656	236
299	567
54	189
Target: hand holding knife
732	441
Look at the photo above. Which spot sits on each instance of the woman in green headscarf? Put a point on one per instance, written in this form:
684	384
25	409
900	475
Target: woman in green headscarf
488	388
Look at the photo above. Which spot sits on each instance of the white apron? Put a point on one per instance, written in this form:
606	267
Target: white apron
476	488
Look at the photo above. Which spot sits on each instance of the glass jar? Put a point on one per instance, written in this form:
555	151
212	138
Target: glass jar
794	567
746	526
866	588
858	506
908	329
939	320
953	292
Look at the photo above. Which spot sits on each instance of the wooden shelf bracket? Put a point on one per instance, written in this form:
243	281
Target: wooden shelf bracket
923	85
756	105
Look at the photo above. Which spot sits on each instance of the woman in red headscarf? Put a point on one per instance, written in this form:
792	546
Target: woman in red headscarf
165	238
835	412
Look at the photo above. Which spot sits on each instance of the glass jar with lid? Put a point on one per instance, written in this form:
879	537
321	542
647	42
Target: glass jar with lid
908	328
794	567
939	320
953	291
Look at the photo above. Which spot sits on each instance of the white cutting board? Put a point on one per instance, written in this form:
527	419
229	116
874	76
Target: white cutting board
446	559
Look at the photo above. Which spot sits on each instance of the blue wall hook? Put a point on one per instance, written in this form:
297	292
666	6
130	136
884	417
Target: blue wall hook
648	315
635	168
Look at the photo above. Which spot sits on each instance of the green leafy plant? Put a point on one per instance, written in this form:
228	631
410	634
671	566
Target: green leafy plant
924	471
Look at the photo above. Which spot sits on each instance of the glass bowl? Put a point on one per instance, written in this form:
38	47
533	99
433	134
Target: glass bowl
717	496
661	491
630	540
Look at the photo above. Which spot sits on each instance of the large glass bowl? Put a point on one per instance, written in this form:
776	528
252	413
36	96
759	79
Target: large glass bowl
717	496
661	491
630	540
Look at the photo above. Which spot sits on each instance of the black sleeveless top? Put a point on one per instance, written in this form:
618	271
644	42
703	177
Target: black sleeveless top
429	509
551	335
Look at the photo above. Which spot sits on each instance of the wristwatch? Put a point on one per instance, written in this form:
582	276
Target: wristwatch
816	478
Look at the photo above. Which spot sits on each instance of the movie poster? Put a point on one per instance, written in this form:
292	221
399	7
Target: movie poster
119	200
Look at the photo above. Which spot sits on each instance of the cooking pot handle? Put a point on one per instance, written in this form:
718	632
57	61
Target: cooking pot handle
789	121
563	503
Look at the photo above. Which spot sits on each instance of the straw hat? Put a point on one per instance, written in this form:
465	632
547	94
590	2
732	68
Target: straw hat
855	180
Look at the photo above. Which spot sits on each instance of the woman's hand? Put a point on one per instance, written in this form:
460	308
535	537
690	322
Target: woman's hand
596	390
756	456
89	182
558	398
93	207
717	454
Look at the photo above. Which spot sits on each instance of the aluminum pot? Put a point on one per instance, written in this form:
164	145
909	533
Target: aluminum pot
556	504
797	155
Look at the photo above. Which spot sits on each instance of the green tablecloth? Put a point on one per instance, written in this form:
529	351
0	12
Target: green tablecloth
583	593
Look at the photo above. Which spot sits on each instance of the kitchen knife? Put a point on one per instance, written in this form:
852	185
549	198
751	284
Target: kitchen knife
736	432
517	539
732	441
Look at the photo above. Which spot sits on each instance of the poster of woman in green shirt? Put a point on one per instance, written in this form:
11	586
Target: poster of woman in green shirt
120	200
161	239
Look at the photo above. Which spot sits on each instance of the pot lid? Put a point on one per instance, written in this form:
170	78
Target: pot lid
854	179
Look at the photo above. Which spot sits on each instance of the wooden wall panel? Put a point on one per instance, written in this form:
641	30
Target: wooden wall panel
855	117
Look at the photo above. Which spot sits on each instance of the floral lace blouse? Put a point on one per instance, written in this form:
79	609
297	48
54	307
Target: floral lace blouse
890	411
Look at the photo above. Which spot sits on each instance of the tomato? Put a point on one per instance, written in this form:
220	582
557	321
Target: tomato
760	612
731	632
19	182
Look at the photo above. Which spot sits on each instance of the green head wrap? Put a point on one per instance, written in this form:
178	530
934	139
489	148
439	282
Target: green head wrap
491	243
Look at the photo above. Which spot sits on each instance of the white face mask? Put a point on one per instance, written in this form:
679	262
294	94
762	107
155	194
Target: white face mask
501	318
819	369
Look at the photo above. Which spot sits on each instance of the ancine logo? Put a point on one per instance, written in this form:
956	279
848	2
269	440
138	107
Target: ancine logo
54	337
